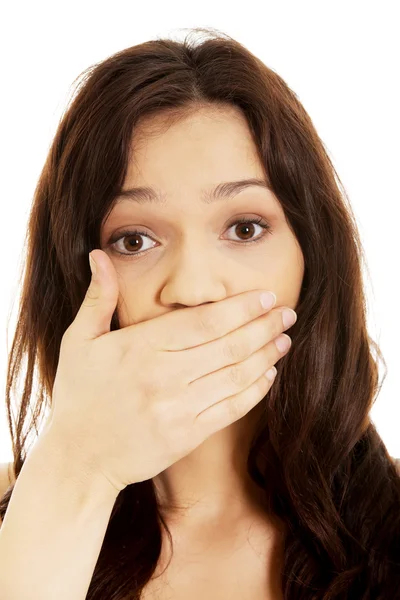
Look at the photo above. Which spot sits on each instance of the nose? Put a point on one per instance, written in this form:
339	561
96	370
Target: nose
192	281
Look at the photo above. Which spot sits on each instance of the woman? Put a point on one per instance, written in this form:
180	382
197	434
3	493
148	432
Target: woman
299	498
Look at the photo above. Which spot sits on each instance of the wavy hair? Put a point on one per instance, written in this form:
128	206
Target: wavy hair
319	460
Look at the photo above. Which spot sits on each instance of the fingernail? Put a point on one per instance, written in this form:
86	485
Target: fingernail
270	374
289	317
268	300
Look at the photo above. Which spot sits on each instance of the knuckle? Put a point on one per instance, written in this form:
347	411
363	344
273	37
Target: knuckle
157	389
237	375
92	294
162	421
171	423
152	396
207	322
236	350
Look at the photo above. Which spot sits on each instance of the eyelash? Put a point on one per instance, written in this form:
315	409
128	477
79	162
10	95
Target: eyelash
243	220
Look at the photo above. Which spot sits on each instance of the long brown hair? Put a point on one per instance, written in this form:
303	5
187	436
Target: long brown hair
325	471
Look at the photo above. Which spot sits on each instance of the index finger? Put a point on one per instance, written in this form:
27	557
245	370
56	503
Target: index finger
191	327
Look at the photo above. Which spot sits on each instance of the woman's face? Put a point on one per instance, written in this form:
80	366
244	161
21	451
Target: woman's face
191	253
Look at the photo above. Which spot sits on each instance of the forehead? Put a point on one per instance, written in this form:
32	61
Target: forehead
203	147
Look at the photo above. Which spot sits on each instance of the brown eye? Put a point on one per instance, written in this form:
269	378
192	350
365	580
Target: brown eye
246	229
133	242
132	246
130	242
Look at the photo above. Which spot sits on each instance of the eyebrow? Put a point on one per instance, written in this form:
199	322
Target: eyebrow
225	190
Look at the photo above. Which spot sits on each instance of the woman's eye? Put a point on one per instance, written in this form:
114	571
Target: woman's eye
130	241
245	227
244	231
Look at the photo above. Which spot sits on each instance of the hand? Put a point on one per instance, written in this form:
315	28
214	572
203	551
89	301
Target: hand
132	402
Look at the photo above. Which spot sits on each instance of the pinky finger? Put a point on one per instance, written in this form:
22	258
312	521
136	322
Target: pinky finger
270	374
224	413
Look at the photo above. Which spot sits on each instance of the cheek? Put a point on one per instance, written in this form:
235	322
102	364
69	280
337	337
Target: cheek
131	305
285	275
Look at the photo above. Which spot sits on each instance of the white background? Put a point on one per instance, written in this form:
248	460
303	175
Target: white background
342	60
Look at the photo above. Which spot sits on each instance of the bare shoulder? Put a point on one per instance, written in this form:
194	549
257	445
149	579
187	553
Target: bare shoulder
7	477
397	464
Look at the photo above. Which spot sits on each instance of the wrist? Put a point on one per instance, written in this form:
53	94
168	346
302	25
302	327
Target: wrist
58	458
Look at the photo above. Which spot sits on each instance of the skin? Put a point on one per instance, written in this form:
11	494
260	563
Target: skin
194	256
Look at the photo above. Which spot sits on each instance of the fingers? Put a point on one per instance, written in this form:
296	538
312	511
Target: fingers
232	380
231	409
191	327
232	349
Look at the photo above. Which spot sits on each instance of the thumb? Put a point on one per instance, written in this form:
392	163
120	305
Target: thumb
96	311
